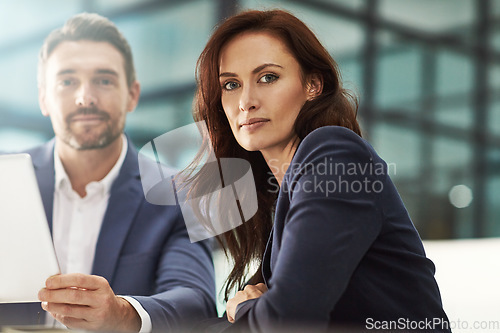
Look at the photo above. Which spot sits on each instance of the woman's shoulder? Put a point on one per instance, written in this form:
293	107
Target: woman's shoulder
328	140
329	134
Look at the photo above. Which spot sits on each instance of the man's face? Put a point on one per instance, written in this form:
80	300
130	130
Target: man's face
86	94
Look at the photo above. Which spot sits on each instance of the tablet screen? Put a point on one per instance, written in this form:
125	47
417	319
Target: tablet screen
27	256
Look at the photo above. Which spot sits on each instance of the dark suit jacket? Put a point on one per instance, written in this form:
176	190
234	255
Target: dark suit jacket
343	250
143	250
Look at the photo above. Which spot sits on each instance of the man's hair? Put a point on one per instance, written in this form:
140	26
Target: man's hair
91	27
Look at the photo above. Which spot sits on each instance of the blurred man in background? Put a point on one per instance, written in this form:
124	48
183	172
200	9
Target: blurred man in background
101	223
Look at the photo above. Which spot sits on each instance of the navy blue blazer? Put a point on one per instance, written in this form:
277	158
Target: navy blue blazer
343	249
143	250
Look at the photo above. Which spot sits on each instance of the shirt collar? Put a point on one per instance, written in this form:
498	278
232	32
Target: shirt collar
62	180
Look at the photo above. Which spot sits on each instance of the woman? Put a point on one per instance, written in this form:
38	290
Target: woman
342	249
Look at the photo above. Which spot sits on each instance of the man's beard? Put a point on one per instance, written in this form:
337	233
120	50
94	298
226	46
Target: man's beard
89	140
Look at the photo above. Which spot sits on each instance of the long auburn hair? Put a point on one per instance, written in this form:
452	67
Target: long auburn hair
334	106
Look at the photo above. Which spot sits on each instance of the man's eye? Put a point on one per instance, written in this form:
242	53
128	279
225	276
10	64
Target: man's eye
268	78
231	85
105	82
66	83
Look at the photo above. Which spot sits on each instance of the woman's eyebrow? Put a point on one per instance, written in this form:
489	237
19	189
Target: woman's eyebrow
261	67
227	74
255	71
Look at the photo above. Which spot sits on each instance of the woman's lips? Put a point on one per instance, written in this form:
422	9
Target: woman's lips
254	123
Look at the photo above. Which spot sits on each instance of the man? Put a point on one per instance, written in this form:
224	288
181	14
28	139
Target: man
100	221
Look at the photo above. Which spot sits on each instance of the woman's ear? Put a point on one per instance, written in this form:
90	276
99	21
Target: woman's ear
314	86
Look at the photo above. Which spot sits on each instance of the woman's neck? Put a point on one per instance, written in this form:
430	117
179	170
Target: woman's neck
279	159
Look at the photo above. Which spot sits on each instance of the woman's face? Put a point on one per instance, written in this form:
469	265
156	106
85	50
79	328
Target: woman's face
262	91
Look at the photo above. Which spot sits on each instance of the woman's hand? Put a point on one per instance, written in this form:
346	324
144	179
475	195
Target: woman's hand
250	292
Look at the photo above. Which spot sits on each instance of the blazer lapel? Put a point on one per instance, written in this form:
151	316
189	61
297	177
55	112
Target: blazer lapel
266	261
126	197
43	161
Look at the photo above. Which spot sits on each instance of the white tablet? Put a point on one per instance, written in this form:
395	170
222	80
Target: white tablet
27	256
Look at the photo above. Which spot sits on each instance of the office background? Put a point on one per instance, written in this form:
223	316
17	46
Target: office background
427	73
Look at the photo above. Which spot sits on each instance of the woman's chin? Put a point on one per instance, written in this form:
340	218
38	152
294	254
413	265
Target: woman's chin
249	146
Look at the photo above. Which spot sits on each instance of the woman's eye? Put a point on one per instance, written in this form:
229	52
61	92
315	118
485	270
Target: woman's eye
268	78
231	85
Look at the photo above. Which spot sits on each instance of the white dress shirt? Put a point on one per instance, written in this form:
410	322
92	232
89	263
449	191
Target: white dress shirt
77	222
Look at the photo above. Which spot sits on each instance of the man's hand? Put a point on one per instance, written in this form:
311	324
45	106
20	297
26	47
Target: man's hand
250	292
87	302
